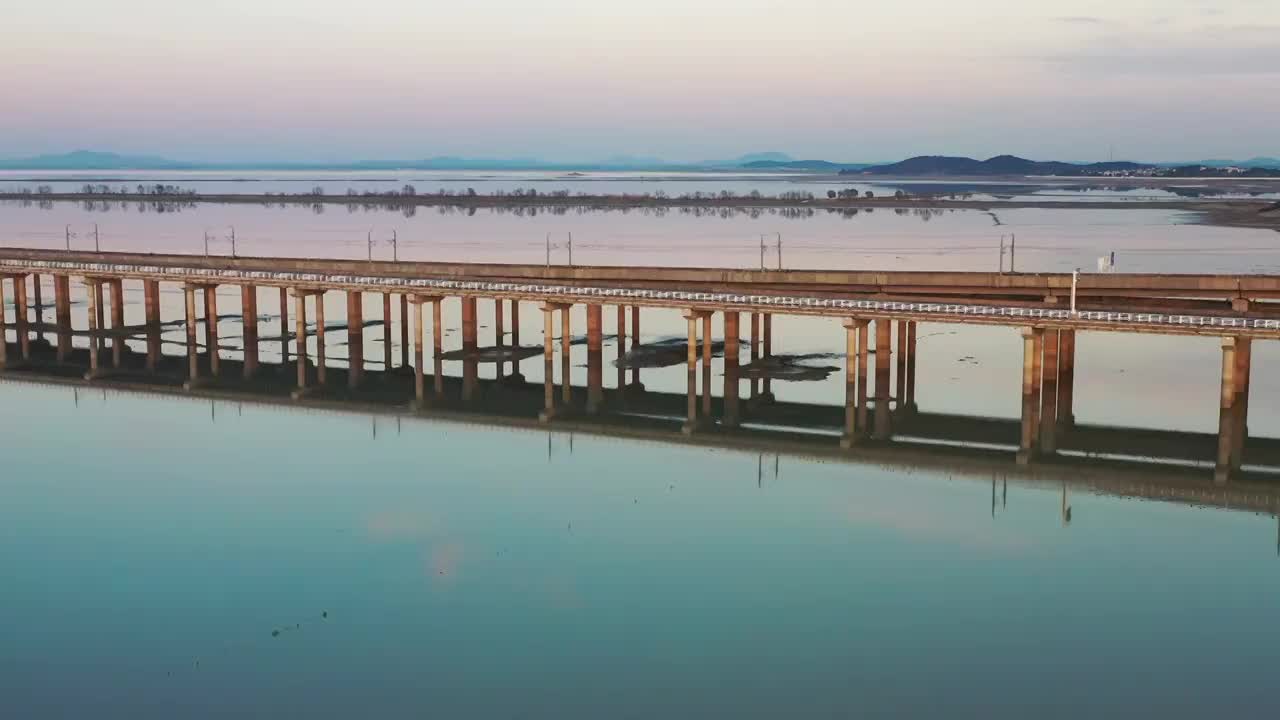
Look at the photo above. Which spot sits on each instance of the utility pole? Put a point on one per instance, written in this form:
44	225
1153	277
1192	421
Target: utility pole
96	246
548	249
369	244
1001	254
762	251
1075	278
1013	248
395	247
570	249
206	243
69	236
779	251
233	240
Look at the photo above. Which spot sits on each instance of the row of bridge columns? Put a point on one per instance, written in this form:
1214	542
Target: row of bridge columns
1047	374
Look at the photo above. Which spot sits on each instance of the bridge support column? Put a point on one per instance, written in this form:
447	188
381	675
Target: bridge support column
884	355
911	367
404	330
900	375
95	325
300	330
595	358
635	344
470	345
566	330
193	350
117	323
691	422
1066	379
62	311
437	347
755	355
622	353
419	336
500	336
1227	413
386	335
548	363
767	396
855	379
151	306
355	338
4	330
211	327
321	362
39	300
732	360
21	312
706	368
1244	361
249	319
1037	380
1049	395
284	329
1032	339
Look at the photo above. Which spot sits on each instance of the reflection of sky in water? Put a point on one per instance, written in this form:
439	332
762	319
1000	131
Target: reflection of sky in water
466	574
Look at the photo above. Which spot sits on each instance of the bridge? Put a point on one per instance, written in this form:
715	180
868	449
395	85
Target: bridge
1049	309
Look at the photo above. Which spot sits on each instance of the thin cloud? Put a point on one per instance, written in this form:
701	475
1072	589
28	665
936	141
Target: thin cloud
1080	20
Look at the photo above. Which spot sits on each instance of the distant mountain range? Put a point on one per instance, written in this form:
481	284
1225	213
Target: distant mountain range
925	165
1011	165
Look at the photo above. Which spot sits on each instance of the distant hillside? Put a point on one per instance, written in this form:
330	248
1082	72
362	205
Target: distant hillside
805	165
936	165
90	160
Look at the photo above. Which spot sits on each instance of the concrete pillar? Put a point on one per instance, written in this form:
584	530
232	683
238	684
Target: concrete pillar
850	437
62	311
755	353
117	323
691	423
249	320
515	328
768	353
1031	343
193	350
469	331
1066	379
566	330
548	363
404	330
900	389
1227	414
21	312
151	305
321	363
1049	394
884	355
95	326
706	367
386	333
284	329
864	354
211	327
622	351
732	359
1037	380
419	382
4	330
102	309
437	346
355	338
635	343
39	299
499	324
300	318
1240	425
595	358
911	367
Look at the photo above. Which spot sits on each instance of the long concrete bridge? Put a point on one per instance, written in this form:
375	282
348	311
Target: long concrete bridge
1049	308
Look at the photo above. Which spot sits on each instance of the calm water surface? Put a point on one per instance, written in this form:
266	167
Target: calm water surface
176	558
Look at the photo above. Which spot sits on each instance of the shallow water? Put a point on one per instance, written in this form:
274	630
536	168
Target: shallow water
151	547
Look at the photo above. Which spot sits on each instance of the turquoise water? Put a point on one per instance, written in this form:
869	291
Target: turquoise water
181	558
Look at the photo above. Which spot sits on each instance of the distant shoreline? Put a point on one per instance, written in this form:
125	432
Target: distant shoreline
1230	213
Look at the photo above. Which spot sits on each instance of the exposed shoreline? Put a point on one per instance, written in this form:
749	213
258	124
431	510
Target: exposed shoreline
1229	213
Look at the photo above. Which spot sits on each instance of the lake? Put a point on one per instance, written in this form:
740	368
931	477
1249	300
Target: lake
181	558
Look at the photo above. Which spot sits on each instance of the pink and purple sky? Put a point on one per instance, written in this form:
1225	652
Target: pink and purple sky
683	80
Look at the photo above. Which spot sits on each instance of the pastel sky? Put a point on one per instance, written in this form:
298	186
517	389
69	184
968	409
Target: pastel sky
678	79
